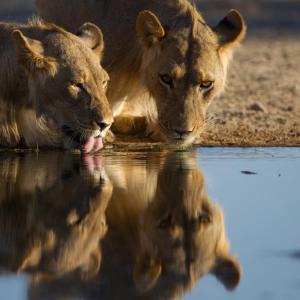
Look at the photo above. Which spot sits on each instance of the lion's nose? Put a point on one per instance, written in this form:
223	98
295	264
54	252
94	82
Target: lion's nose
103	125
103	122
182	132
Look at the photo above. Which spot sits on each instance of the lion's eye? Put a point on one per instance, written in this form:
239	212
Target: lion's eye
77	90
166	221
105	84
205	218
206	85
77	85
166	80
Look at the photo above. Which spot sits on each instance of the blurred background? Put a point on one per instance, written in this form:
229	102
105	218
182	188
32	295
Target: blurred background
277	14
15	10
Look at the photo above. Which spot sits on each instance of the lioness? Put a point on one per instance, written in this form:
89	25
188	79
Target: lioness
52	215
52	87
164	234
167	227
163	59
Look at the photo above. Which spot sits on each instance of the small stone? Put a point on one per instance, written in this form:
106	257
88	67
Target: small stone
289	108
295	89
281	121
249	173
257	107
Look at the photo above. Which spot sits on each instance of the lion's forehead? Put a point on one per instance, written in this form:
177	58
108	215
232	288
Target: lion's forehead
194	57
71	50
77	62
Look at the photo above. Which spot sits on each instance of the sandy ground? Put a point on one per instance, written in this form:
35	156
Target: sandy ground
261	104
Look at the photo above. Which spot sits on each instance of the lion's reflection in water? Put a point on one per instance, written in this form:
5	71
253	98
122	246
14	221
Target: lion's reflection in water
51	215
163	232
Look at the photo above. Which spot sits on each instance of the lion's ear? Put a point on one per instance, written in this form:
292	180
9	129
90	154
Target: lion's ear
231	30
149	28
92	37
30	258
30	54
227	269
92	266
146	273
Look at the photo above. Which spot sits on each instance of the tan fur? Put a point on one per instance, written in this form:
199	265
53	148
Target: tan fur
52	215
162	218
148	39
164	234
52	89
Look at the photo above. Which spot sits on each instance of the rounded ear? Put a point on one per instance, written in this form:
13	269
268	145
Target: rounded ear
30	258
26	49
227	269
92	37
30	51
92	267
146	273
149	28
231	30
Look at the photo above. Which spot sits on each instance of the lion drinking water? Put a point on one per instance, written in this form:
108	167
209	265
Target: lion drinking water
52	87
164	61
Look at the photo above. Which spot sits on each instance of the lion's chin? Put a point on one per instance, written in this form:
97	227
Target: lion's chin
93	143
180	144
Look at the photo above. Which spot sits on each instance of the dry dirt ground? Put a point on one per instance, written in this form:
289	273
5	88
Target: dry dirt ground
261	104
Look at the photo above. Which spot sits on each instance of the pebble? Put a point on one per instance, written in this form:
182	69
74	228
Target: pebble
257	107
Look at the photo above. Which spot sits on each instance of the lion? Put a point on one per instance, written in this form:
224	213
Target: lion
164	234
52	212
165	63
171	231
52	87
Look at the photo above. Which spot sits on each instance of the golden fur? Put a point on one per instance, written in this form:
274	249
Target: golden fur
52	86
52	215
169	227
164	61
164	234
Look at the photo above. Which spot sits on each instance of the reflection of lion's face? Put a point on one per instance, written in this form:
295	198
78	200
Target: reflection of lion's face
183	224
80	223
182	233
60	221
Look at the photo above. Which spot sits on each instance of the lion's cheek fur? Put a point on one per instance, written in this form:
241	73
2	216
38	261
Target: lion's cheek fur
35	131
9	134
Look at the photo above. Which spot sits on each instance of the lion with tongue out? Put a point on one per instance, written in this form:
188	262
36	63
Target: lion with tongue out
52	87
93	144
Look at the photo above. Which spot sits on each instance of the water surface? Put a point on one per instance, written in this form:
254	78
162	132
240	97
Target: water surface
214	223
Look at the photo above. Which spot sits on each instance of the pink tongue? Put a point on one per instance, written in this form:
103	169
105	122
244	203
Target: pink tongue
92	144
98	144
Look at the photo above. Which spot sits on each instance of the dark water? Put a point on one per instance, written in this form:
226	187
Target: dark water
210	223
